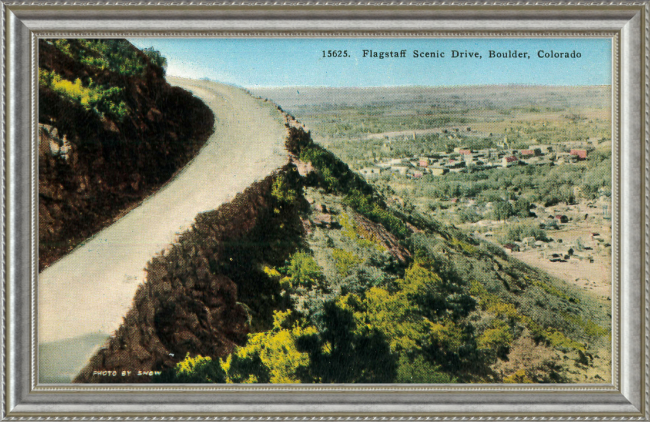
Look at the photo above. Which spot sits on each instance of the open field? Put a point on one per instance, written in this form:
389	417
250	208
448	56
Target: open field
349	113
588	267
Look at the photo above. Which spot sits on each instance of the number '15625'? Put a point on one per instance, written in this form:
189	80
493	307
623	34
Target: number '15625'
335	53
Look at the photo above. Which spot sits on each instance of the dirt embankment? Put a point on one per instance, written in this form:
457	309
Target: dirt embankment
190	302
93	167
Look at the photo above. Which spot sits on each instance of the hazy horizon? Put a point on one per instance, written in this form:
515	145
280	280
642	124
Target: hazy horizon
416	86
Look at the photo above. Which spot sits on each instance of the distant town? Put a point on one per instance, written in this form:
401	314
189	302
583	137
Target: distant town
464	159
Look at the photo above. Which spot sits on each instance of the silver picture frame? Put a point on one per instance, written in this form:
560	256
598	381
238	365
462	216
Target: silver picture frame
626	23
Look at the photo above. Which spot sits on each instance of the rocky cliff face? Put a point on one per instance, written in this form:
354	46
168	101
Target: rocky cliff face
112	130
202	295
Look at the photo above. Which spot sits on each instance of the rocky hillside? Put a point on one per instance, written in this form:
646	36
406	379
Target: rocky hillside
111	130
312	276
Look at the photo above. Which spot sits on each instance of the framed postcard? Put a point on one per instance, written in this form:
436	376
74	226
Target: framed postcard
311	210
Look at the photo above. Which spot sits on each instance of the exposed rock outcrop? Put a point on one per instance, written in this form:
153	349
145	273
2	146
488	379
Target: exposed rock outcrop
94	165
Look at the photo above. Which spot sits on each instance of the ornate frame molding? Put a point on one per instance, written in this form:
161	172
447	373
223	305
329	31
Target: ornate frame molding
626	23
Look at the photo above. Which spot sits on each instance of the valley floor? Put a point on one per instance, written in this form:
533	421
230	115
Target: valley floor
590	265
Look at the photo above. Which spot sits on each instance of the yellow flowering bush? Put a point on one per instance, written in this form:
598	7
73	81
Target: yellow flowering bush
275	350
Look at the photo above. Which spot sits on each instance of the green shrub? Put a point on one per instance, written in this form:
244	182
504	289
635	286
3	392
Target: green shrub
197	369
503	210
302	271
271	356
418	371
282	189
469	215
100	100
517	232
345	261
156	57
497	338
118	56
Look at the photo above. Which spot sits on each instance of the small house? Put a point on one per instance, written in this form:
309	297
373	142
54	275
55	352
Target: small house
562	218
509	161
580	153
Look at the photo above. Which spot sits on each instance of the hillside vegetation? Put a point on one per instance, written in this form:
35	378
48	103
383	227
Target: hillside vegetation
111	130
529	167
311	276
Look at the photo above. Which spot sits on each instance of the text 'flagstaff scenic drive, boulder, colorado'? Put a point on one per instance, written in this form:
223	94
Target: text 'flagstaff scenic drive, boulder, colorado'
465	54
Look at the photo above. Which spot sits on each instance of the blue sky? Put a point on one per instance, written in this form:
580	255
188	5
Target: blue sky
274	62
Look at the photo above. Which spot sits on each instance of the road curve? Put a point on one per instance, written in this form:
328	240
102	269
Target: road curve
83	297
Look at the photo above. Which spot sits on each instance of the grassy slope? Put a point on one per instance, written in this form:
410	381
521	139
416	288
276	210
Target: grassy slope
566	326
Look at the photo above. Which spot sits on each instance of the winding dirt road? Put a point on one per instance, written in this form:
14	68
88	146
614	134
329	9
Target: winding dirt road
83	297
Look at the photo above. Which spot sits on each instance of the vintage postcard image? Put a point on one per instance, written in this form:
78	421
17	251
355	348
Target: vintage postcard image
423	211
